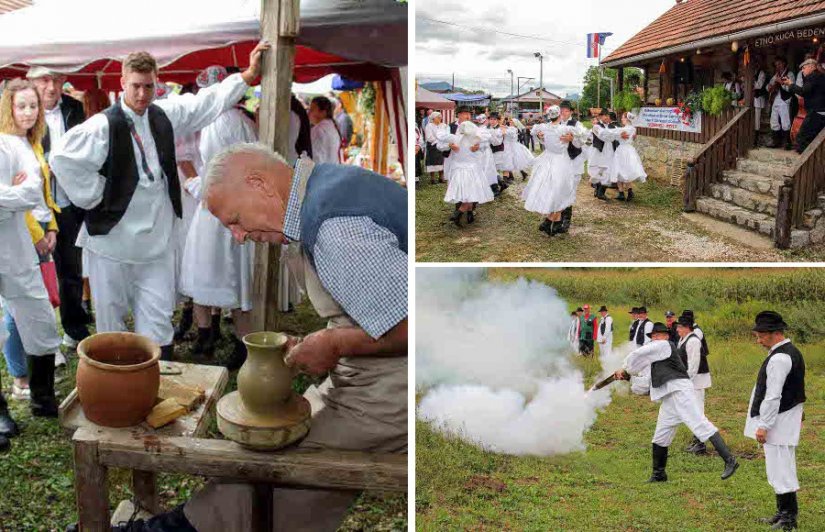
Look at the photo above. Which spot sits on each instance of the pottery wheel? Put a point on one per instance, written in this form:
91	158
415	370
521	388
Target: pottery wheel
266	433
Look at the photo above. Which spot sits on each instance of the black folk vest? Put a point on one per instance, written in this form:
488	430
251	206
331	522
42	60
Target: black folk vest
633	327
793	391
668	369
703	358
640	332
603	325
453	129
597	142
121	171
784	93
573	151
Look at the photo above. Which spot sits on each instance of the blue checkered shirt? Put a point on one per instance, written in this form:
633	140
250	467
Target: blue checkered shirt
358	262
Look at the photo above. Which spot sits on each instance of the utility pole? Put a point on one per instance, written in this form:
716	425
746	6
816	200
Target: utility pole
510	71
453	83
541	81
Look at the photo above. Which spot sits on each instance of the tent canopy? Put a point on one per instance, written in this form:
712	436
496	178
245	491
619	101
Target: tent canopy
361	39
431	100
477	100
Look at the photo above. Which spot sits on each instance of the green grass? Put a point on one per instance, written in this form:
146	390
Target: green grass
37	475
460	487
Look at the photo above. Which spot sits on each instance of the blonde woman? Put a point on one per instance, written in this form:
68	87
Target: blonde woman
29	316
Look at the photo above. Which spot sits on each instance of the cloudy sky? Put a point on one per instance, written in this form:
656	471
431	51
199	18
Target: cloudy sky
479	57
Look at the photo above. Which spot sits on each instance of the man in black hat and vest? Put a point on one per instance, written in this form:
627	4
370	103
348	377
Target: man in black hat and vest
120	167
634	313
640	384
774	416
695	360
601	155
62	113
671	385
687	313
670	321
605	335
588	331
576	154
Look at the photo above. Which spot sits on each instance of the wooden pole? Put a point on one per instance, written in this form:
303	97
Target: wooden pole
279	26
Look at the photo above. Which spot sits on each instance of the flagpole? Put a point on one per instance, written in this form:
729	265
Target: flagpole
599	73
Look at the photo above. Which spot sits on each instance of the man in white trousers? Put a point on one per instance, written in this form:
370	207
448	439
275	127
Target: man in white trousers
605	338
696	362
671	386
774	416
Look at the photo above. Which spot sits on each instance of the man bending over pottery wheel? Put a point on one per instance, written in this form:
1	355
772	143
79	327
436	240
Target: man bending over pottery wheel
346	230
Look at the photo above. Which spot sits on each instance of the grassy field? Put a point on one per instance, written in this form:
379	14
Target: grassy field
652	228
459	486
36	476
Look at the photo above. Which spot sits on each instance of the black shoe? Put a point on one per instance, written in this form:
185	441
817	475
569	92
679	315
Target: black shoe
456	217
215	328
167	352
204	346
788	143
5	444
776	139
238	356
620	197
600	190
503	186
545	225
186	320
496	189
731	465
777	516
788	511
173	520
630	195
523	175
659	464
471	217
43	402
8	427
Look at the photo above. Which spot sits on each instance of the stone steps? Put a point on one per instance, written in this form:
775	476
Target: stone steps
752	201
735	214
771	155
752	182
772	169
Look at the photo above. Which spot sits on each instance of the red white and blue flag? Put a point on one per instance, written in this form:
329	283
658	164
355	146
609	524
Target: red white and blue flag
595	41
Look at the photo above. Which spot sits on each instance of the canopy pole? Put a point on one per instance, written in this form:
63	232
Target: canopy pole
279	26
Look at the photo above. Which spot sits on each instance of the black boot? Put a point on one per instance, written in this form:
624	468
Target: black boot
777	516
620	196
167	352
471	216
41	384
788	143
502	186
456	217
8	428
204	345
697	447
5	444
596	188
186	320
566	218
659	464
731	465
215	328
495	189
523	175
776	139
787	512
630	194
238	356
545	225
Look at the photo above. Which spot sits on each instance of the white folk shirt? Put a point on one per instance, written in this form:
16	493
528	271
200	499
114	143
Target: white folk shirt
640	360
778	101
759	101
144	233
700	381
607	337
325	142
784	428
54	120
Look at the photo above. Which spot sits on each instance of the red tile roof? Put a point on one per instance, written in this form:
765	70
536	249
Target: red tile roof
11	5
694	20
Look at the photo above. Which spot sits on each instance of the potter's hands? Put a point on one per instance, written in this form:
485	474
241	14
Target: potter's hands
316	354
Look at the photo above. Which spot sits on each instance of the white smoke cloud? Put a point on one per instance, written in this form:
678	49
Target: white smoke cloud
494	364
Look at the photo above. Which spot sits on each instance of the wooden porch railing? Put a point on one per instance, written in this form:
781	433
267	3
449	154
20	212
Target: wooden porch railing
803	183
711	125
733	140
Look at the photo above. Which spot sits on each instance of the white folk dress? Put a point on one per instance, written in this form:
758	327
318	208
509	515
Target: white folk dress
627	165
504	158
551	186
488	164
522	158
186	149
599	163
326	142
468	183
217	271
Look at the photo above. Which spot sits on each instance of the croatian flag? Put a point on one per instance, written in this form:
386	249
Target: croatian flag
594	44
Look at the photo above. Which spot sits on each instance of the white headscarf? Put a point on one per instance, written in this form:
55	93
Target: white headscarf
434	115
554	112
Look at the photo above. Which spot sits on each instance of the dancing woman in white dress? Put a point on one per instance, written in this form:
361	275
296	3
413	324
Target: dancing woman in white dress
627	165
467	182
549	191
520	158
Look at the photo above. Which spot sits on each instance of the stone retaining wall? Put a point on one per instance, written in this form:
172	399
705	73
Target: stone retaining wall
661	157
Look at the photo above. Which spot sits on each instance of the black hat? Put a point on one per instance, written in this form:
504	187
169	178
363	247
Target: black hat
658	327
579	309
642	310
689	314
669	314
604	112
612	116
634	310
769	321
566	104
686	321
494	116
603	309
462	109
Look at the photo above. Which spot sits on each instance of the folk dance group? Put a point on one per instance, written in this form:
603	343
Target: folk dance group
472	156
670	363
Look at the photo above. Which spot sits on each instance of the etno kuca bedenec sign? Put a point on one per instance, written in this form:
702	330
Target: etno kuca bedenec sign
667	118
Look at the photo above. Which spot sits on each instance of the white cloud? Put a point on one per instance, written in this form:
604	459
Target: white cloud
479	58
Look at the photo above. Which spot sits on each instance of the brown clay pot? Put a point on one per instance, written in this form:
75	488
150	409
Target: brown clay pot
118	376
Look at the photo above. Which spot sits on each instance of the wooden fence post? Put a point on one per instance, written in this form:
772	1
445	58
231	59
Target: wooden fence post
782	232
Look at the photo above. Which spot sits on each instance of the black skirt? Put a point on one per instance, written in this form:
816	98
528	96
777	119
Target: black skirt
434	157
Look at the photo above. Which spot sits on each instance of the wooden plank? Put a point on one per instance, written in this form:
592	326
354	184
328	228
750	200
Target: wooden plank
144	488
226	459
279	25
782	232
212	379
90	486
